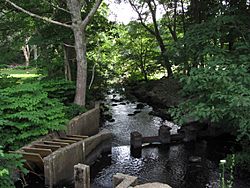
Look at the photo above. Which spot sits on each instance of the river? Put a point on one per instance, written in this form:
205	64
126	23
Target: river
170	165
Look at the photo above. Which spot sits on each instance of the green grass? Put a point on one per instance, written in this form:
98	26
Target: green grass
19	73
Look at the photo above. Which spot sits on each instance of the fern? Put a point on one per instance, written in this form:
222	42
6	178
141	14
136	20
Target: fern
26	113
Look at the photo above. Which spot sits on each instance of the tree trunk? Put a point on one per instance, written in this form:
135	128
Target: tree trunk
165	59
165	63
35	52
81	77
80	48
67	69
26	53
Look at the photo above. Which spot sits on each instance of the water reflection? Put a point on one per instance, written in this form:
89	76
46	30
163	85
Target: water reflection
169	166
164	164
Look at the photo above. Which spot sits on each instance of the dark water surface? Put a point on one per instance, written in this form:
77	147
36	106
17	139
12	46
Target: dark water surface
157	163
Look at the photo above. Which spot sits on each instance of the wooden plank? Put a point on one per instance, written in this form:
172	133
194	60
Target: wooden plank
56	143
32	157
64	141
71	138
77	136
150	139
47	146
43	152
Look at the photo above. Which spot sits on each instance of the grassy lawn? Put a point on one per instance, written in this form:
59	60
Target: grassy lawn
19	73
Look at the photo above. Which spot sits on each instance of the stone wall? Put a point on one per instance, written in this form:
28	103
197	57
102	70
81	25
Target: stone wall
86	123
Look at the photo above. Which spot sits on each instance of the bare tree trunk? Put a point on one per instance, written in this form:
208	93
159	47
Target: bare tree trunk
35	52
67	69
26	53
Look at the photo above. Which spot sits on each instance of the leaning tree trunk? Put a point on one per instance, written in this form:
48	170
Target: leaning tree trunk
26	53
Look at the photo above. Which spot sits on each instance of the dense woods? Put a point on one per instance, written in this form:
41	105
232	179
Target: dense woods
76	54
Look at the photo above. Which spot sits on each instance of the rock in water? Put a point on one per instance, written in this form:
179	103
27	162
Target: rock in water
153	185
140	106
194	159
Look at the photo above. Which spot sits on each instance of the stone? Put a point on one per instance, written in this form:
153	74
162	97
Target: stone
153	185
111	120
131	114
194	159
140	106
136	112
123	180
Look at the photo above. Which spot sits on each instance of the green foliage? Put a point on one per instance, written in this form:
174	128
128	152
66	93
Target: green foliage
227	165
26	112
9	163
73	110
59	89
7	81
220	93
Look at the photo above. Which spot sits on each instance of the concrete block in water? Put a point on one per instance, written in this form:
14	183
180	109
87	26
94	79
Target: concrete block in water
81	176
123	180
135	140
164	135
190	134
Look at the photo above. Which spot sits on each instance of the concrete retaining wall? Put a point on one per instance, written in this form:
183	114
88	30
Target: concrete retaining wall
86	123
59	166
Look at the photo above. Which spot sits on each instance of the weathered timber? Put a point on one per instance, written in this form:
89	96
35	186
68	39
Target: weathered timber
56	143
64	141
34	158
71	138
78	136
150	139
43	152
47	146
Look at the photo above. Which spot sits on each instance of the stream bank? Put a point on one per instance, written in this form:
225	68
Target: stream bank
173	165
160	94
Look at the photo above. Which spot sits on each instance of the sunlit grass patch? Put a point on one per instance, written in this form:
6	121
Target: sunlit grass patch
19	73
24	75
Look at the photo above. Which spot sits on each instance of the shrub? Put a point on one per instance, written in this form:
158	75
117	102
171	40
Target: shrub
73	110
9	163
26	112
60	89
219	93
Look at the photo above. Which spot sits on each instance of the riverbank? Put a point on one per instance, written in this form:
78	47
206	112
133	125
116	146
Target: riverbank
160	94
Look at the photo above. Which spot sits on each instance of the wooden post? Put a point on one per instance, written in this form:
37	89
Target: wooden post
135	140
164	134
82	176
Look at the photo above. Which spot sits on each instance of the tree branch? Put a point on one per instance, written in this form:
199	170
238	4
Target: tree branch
141	19
91	13
37	16
59	8
68	45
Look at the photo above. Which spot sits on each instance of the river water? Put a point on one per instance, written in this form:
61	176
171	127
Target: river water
157	163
